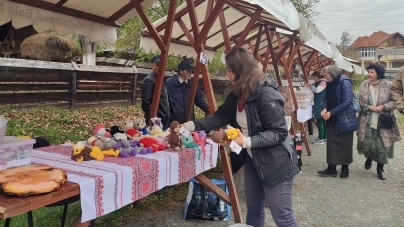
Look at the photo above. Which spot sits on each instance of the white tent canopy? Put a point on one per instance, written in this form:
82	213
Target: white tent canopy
276	12
312	37
95	19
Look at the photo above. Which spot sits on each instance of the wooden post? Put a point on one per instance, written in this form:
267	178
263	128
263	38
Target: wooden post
288	68
134	90
164	45
74	90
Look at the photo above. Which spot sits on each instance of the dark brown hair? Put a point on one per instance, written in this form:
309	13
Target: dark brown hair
242	63
317	74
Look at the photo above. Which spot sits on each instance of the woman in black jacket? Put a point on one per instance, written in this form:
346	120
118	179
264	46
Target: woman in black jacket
256	107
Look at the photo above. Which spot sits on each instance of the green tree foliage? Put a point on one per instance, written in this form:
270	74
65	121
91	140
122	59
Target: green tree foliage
307	8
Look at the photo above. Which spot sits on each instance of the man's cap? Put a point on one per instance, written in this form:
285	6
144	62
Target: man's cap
156	59
184	65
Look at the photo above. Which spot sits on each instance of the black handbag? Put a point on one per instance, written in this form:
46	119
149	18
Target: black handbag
386	121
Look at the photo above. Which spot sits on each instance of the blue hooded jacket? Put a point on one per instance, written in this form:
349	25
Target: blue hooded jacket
345	114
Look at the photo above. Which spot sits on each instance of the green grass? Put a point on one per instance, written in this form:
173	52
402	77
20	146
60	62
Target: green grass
61	125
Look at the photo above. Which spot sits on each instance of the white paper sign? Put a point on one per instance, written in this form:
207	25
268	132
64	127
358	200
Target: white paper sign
184	132
203	59
235	147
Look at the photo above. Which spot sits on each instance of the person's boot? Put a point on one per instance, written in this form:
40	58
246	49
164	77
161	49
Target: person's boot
344	171
330	171
380	171
368	163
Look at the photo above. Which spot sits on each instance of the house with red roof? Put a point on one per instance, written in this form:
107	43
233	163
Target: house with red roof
387	49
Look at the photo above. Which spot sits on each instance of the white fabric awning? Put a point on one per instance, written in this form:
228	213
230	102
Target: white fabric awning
312	37
237	15
281	9
345	65
100	15
336	55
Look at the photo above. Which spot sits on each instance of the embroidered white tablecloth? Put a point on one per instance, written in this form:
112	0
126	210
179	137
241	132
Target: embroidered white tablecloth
108	185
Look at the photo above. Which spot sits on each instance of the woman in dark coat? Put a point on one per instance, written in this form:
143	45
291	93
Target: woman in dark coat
341	121
256	107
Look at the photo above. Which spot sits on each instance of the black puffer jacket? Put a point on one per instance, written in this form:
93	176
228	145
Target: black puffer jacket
146	93
271	145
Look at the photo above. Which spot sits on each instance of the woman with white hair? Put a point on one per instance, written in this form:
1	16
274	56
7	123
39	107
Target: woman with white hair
340	119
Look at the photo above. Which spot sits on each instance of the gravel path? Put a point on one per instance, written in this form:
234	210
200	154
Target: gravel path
360	200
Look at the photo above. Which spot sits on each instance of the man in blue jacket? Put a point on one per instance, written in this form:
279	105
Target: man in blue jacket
179	88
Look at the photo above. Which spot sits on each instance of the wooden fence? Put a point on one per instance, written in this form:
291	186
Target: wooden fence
29	83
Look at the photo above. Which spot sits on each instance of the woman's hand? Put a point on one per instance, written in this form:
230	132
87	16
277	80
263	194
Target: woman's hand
327	116
379	109
372	108
323	112
239	139
306	84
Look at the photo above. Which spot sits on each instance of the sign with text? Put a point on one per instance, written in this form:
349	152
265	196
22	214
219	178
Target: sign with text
42	20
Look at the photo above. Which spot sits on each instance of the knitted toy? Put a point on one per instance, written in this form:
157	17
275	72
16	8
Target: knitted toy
125	149
81	153
140	125
297	140
101	131
114	129
174	137
188	142
200	141
156	127
123	145
232	133
133	134
153	143
142	150
103	143
126	125
219	137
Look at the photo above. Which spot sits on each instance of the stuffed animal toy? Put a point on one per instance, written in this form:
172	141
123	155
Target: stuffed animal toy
195	136
297	140
133	134
174	137
202	134
119	137
140	125
188	141
81	153
153	143
156	127
140	149
114	129
126	125
101	131
219	137
125	149
232	133
105	145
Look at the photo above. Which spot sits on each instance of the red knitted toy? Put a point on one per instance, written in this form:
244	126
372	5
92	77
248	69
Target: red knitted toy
155	144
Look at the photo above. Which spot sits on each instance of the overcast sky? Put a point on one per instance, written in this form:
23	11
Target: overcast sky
359	17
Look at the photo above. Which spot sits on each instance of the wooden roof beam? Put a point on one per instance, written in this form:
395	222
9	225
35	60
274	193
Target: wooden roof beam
124	10
61	2
208	24
179	14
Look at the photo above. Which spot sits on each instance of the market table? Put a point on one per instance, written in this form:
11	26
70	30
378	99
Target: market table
105	186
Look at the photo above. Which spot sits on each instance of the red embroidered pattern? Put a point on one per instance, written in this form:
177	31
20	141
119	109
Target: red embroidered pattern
186	164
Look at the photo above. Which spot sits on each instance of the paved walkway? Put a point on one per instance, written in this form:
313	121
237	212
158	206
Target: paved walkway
360	200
